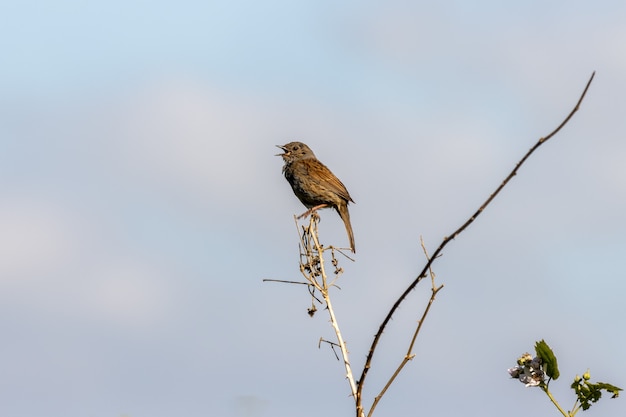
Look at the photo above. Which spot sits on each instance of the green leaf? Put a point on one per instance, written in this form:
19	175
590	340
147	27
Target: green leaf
589	393
548	359
609	388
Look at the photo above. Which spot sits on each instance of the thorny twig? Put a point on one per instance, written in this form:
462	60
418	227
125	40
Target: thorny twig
446	240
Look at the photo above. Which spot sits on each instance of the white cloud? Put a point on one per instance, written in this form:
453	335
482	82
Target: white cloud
184	133
127	294
37	237
56	262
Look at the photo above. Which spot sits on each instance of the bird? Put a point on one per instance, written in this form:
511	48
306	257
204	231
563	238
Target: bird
314	184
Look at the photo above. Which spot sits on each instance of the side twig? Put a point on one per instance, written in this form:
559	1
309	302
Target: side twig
409	354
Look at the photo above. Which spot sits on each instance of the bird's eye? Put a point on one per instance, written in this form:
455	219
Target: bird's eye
295	148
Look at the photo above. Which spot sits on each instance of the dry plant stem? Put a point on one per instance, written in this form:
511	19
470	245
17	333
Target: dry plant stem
303	245
447	239
409	354
317	249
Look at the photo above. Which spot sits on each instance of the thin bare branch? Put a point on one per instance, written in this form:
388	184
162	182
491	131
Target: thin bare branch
446	240
332	345
285	282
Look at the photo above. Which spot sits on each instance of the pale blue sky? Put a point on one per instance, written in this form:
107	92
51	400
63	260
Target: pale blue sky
142	203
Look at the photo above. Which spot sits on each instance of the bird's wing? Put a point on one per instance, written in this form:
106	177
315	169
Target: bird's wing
331	181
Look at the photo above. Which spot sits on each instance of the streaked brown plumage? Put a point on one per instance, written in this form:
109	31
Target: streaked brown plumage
314	184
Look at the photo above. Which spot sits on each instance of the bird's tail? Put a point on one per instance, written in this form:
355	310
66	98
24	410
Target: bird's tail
345	216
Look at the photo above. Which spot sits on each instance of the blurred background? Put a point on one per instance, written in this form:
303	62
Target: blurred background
142	204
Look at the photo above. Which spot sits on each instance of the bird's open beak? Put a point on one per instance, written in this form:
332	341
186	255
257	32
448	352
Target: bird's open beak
284	150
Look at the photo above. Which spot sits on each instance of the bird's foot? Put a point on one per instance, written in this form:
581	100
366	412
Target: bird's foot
312	211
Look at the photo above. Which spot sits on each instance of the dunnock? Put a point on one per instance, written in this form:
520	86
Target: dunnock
314	185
